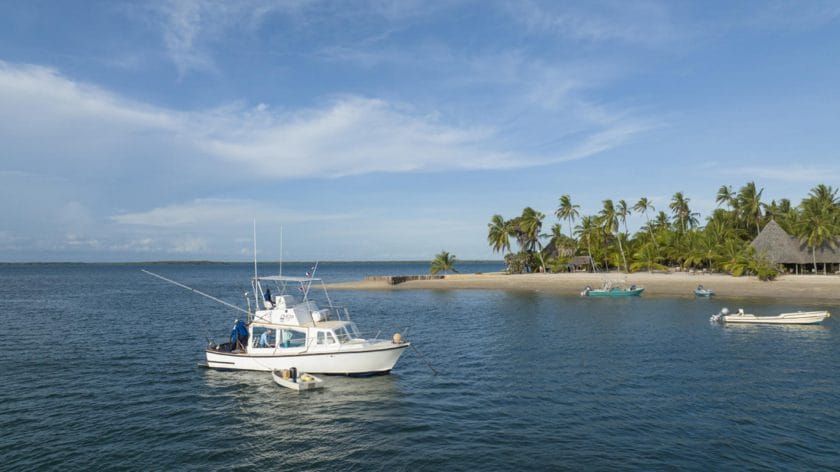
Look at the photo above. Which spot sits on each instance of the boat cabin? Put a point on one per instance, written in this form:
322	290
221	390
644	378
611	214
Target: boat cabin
289	325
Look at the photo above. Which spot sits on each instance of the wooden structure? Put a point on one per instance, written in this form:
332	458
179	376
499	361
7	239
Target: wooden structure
774	243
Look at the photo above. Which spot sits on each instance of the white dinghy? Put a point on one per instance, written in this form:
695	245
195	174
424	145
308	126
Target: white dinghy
798	317
288	378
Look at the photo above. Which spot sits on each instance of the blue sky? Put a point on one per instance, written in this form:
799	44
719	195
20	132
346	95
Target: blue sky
387	130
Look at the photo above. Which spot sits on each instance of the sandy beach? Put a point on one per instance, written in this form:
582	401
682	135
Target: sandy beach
675	284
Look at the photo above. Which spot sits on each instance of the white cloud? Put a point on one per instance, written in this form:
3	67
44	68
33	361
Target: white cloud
190	245
795	15
190	27
789	173
641	22
210	212
55	123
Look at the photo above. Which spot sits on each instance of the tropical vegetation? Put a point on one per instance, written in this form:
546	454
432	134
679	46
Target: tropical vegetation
665	240
443	262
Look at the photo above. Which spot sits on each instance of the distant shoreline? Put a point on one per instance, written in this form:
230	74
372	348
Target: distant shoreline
675	284
200	262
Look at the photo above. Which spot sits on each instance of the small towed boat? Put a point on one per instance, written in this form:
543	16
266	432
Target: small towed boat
701	291
799	317
288	378
612	289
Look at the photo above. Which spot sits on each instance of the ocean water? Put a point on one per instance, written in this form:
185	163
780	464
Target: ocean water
99	372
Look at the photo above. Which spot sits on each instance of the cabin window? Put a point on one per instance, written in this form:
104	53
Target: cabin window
343	335
322	337
292	338
264	337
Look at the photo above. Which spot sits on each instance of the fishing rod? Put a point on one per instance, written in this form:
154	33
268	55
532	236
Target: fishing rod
196	291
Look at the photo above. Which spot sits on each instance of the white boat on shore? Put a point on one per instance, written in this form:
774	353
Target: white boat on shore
799	317
296	333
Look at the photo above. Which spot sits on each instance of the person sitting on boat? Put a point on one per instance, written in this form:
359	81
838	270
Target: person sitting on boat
264	338
267	297
700	287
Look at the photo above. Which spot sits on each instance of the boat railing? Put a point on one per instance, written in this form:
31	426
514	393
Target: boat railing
336	313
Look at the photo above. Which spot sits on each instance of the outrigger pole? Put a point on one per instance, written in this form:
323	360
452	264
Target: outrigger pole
196	291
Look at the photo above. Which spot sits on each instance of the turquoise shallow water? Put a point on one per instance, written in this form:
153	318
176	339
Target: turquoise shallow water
99	372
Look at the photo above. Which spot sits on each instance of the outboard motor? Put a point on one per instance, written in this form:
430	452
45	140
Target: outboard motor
719	317
586	291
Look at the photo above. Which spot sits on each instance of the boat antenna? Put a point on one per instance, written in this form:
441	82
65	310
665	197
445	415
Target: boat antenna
257	287
309	283
280	273
196	291
255	249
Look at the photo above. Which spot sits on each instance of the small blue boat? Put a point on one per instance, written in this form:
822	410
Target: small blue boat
610	290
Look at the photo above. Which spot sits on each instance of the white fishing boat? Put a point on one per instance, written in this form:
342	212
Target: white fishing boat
296	382
289	332
799	317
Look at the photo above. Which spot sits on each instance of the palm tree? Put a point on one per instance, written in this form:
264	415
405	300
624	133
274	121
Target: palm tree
530	223
819	222
725	196
586	230
647	257
609	222
642	206
443	262
498	235
682	213
749	205
661	221
567	211
623	211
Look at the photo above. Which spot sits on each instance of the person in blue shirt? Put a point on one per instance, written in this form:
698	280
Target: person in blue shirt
239	336
264	338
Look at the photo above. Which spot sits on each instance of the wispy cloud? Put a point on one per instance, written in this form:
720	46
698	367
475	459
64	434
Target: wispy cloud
788	173
51	121
643	23
209	212
795	15
191	28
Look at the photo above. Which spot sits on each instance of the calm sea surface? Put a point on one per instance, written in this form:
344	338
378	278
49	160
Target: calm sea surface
99	372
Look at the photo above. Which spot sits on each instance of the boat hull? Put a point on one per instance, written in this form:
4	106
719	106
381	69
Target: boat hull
615	293
802	317
703	293
377	359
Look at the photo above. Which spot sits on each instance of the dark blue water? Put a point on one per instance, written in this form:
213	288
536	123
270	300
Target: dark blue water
99	371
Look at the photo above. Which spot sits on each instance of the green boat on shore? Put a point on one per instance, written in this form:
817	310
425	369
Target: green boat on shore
611	290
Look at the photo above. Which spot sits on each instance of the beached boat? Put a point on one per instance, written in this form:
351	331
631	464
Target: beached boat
296	382
612	289
299	333
701	291
799	317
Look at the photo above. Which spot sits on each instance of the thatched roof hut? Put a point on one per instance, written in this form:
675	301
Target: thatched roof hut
778	247
580	263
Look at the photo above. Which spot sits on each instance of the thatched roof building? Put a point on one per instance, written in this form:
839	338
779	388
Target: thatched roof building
580	263
781	248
